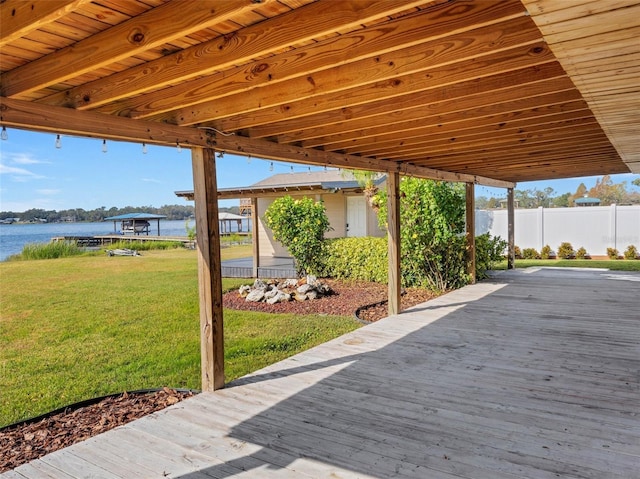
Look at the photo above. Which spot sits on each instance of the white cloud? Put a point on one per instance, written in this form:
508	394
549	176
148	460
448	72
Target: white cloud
19	174
48	192
24	159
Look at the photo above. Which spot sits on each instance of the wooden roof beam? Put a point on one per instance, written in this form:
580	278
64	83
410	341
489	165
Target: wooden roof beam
463	130
148	30
19	18
31	116
221	53
457	97
402	46
327	91
517	136
438	117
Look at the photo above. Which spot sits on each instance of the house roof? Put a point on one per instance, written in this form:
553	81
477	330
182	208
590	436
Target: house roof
224	216
487	92
587	201
135	216
290	183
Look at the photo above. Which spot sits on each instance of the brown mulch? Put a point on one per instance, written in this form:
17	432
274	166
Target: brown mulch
347	298
26	442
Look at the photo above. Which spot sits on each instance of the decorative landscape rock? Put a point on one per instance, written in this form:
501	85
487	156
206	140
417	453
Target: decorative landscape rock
280	291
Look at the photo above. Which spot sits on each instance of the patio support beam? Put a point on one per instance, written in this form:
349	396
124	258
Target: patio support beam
60	120
209	268
255	236
511	249
470	219
393	229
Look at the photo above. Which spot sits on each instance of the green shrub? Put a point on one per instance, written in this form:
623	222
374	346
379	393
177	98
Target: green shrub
300	226
489	251
432	242
144	245
581	253
517	252
357	259
530	253
631	252
546	252
52	250
613	253
565	251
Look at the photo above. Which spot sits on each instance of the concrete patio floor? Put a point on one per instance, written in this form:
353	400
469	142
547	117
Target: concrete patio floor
532	374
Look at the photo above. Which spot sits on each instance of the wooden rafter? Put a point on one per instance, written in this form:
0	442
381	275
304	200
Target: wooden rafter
119	42
18	19
221	53
63	120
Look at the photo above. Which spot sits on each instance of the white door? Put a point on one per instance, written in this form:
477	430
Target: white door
356	216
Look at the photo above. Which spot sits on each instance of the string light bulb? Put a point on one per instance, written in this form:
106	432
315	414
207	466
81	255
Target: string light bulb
271	166
309	171
144	149
292	170
58	142
4	135
178	147
104	146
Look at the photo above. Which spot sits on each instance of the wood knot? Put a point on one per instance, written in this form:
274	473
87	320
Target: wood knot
137	37
537	50
259	68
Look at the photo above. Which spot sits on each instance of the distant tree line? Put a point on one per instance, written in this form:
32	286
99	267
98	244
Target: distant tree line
172	212
605	190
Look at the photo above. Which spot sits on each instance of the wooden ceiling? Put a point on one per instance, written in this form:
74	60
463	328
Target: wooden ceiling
458	90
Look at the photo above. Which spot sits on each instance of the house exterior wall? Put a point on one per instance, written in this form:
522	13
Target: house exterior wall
595	228
336	208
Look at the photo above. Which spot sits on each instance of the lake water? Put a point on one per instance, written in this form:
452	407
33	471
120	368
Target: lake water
14	237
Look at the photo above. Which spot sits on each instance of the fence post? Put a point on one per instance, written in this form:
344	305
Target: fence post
541	242
613	225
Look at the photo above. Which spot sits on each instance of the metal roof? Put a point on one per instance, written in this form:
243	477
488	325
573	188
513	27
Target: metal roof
291	183
135	216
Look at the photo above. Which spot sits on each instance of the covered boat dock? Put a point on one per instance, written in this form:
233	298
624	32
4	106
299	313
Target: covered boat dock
135	223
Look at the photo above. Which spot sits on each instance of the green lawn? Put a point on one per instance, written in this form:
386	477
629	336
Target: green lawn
76	328
614	265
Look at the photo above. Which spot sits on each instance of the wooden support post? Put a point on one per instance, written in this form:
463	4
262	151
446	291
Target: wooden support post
255	238
393	229
209	268
470	229
511	251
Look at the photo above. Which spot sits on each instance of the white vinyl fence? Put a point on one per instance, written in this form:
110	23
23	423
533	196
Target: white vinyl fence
595	228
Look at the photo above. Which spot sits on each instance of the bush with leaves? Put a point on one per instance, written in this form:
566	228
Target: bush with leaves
489	251
613	253
545	252
362	259
300	225
631	252
581	253
565	251
517	252
530	253
432	243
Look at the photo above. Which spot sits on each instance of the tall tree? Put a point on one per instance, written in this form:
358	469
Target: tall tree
581	192
609	192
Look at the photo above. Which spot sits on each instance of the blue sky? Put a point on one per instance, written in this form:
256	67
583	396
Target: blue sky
35	174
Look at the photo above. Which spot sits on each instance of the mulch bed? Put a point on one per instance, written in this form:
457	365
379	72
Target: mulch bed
28	441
